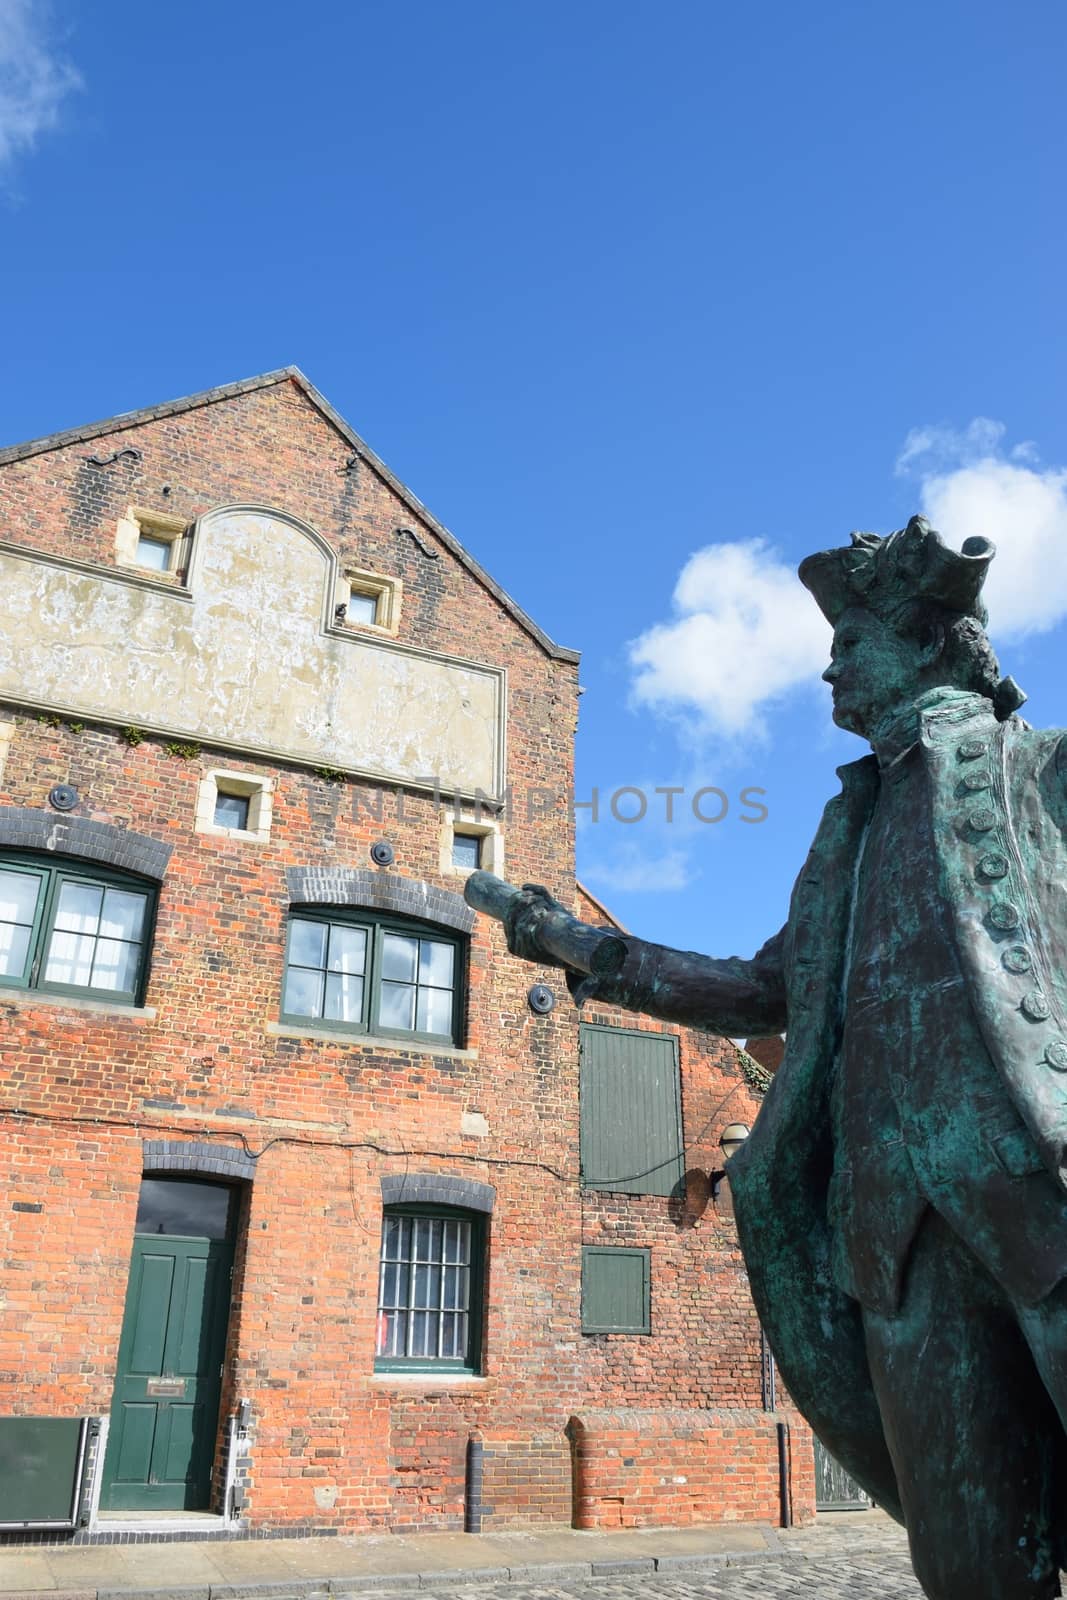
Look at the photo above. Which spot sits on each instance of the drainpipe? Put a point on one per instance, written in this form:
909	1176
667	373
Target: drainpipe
472	1506
784	1464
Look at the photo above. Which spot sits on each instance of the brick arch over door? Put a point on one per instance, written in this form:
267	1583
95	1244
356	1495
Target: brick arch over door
22	828
197	1158
379	891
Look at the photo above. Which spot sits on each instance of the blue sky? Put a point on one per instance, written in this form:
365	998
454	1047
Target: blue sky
646	302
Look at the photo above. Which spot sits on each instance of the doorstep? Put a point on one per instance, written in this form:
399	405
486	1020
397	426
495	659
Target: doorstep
159	1524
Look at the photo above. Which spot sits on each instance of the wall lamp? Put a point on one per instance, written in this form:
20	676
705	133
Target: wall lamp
733	1137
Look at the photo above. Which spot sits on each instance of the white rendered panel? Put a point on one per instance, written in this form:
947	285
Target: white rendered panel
248	657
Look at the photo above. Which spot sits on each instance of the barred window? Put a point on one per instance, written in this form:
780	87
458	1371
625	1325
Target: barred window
429	1294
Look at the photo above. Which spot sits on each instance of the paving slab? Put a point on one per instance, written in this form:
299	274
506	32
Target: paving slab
26	1570
529	1559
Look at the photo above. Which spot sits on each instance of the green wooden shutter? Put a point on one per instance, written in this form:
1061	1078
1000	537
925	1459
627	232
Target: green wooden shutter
631	1123
615	1290
41	1463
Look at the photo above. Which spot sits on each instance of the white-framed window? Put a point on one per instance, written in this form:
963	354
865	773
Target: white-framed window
367	600
152	541
235	805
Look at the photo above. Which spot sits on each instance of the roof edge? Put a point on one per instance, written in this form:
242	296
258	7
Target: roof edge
267	380
136	419
559	652
612	918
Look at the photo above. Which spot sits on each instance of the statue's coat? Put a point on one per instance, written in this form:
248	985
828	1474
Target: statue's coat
780	1178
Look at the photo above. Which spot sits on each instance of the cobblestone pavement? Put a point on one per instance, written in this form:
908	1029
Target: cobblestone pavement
886	1575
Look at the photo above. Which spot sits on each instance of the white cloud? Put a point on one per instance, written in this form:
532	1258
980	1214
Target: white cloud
629	869
34	79
940	444
745	635
970	486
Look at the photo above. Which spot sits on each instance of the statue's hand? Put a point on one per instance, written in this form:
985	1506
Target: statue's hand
541	930
524	921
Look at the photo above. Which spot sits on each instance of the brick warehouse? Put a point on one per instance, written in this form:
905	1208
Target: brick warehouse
312	1221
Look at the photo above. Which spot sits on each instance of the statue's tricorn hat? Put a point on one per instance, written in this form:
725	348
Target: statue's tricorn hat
882	575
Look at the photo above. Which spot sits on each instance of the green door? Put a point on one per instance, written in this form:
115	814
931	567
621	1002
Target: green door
165	1410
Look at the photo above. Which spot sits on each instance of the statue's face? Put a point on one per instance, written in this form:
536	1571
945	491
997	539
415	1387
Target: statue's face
872	671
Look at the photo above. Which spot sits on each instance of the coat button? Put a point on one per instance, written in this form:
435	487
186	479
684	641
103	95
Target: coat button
1004	916
979	779
1017	958
983	819
1056	1055
971	749
1035	1006
993	866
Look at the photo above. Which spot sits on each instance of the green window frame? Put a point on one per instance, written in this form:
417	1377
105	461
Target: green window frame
616	1289
431	1281
363	973
70	928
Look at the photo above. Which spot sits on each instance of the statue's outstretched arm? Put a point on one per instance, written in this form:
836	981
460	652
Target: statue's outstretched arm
731	996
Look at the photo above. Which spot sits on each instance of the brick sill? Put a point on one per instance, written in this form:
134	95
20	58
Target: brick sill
29	999
358	1041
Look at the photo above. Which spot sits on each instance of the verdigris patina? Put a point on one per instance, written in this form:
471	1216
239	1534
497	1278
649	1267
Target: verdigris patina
902	1200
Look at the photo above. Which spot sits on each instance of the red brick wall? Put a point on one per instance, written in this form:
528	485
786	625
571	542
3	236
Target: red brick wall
526	1479
700	1306
637	1469
333	1444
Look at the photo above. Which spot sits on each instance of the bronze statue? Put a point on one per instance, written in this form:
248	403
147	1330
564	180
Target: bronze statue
902	1200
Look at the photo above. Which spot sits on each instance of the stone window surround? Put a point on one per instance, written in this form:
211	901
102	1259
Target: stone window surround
160	525
259	792
7	734
388	593
473	824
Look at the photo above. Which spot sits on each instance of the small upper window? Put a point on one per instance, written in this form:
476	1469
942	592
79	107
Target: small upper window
231	810
72	931
235	805
361	607
470	843
153	553
367	600
467	851
154	541
363	974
